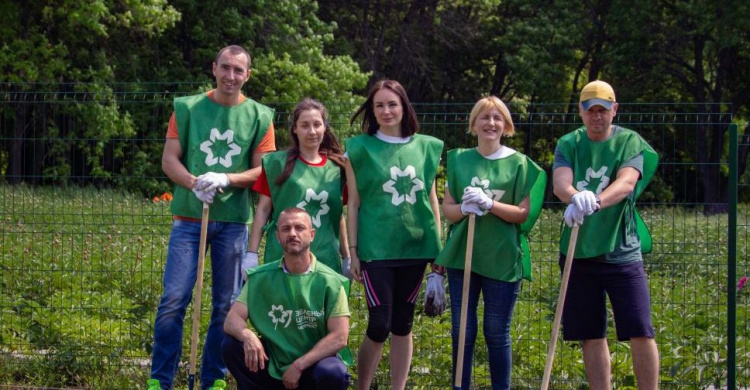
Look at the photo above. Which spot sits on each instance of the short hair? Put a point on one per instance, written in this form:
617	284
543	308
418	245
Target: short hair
294	210
409	123
236	50
490	102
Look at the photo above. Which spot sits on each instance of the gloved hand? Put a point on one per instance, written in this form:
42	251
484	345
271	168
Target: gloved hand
211	181
434	295
586	202
573	215
250	261
471	207
478	196
204	196
346	267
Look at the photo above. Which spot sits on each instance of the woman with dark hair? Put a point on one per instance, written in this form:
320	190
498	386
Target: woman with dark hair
308	176
505	189
394	222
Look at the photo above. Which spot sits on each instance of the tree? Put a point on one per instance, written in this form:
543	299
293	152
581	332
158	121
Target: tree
88	48
691	51
67	42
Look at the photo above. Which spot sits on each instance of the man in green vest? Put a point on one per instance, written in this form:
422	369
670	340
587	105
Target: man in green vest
600	170
215	143
299	312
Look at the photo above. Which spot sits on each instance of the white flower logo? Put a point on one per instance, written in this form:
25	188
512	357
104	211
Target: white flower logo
591	174
310	195
485	185
416	185
283	315
234	149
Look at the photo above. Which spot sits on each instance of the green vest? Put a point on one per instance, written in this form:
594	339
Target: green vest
318	190
216	138
500	249
595	165
291	311
394	183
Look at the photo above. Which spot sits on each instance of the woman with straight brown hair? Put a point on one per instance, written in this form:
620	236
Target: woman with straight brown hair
393	217
309	176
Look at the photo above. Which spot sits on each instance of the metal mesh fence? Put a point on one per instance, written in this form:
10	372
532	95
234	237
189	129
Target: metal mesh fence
83	237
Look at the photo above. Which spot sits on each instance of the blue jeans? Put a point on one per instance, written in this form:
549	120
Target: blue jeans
499	300
227	243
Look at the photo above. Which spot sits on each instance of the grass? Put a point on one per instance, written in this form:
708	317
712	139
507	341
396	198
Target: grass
80	275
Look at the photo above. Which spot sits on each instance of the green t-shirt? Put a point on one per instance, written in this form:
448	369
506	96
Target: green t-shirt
217	138
498	250
394	182
290	312
617	228
318	190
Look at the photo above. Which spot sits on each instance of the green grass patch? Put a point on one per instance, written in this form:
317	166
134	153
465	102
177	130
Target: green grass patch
81	269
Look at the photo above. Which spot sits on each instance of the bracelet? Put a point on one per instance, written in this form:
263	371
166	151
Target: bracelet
352	246
294	364
249	251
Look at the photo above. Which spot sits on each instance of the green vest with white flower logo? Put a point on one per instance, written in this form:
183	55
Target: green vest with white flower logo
595	165
317	190
499	251
394	183
290	312
216	138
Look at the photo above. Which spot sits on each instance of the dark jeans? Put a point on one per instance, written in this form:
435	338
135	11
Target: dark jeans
328	373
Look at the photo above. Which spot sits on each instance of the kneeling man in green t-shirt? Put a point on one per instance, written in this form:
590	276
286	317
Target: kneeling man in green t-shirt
299	311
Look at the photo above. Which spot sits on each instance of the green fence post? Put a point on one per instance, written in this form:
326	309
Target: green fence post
732	261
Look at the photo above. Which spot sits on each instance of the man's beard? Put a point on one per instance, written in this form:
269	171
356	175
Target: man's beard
288	248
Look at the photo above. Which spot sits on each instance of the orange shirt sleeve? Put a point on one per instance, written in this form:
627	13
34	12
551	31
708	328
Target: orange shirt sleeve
268	143
172	128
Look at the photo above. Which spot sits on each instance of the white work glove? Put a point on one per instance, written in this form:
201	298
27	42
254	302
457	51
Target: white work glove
434	295
573	215
211	181
204	196
250	261
471	207
478	196
586	202
346	267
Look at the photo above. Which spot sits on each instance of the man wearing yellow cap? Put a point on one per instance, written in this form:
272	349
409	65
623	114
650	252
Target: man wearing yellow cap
600	170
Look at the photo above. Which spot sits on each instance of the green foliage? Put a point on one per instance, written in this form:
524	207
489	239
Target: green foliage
79	285
285	38
280	79
53	41
97	45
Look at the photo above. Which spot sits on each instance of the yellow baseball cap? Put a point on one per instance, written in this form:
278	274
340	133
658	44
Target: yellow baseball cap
597	93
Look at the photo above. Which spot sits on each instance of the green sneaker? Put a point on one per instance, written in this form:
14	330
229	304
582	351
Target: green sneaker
153	384
218	385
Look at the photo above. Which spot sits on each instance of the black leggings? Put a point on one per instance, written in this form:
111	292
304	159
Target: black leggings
391	294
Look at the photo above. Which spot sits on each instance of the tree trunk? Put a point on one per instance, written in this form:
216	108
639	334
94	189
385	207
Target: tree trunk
16	150
743	147
715	192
